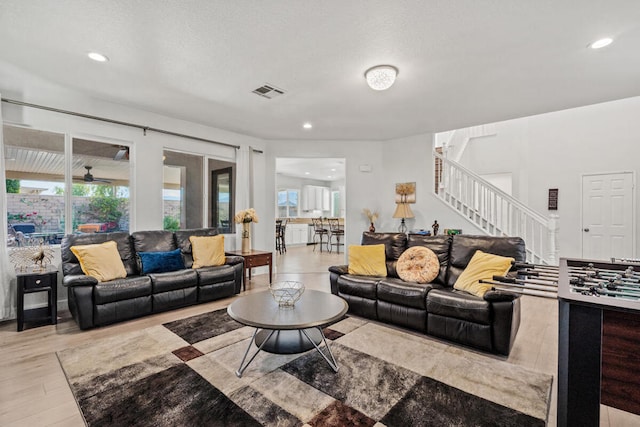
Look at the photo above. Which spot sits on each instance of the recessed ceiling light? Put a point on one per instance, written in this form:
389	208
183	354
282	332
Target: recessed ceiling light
307	125
333	169
307	173
601	43
97	57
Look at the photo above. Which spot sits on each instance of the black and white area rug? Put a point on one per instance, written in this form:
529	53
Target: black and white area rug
183	374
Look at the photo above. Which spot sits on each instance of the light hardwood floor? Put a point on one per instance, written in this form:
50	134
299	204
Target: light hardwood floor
34	391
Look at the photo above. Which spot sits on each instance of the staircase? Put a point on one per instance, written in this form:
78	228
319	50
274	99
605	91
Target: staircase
495	212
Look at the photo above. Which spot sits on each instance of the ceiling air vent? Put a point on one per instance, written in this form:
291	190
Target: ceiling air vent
268	91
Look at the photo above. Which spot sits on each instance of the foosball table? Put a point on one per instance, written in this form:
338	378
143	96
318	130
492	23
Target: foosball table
599	337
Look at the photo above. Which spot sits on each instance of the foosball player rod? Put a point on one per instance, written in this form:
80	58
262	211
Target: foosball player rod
531	292
536	274
608	285
606	275
545	282
606	271
605	292
632	282
604	281
510	286
535	266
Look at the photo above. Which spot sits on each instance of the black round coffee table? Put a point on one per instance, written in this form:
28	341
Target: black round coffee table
288	330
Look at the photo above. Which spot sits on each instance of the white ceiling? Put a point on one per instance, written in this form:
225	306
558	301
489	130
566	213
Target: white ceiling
461	62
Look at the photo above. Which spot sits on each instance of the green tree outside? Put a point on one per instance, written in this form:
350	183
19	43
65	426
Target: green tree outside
171	223
76	190
13	186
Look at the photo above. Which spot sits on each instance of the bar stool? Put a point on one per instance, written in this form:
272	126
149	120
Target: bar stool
336	231
321	231
281	227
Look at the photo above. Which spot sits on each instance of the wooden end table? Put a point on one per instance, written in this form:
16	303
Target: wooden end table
253	259
38	281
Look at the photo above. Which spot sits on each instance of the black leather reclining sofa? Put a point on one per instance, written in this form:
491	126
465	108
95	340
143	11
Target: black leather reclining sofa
94	303
489	324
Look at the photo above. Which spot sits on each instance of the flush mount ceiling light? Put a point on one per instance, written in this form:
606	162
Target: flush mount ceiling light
307	125
97	57
601	43
381	77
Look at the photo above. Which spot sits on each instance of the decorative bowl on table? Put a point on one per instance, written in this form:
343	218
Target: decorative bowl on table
286	293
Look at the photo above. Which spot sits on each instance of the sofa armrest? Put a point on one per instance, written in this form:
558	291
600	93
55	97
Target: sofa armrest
339	269
80	301
237	262
335	271
233	260
79	280
496	296
506	322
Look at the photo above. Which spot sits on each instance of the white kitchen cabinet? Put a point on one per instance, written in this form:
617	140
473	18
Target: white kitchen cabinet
316	197
326	199
296	234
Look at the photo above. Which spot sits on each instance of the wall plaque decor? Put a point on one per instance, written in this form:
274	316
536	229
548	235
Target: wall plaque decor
406	192
553	199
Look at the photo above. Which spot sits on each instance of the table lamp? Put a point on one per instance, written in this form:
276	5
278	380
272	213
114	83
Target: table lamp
403	211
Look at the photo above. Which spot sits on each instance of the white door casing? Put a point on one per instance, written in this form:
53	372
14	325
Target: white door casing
608	213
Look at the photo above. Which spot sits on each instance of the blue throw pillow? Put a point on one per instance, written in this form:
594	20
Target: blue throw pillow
160	262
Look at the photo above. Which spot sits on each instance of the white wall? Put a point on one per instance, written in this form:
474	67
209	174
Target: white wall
410	160
554	150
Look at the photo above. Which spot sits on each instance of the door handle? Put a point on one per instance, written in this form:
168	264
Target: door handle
586	230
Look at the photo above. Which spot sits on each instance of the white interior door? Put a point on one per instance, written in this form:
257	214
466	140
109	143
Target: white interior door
607	216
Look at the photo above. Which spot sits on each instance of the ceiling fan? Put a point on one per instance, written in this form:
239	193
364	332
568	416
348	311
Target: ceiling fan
88	177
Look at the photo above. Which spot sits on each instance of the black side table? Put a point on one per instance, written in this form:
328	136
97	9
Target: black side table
38	281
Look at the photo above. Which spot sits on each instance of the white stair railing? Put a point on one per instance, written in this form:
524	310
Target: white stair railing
495	212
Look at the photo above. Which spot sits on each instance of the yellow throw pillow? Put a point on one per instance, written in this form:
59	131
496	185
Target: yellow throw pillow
367	260
418	264
101	261
482	266
208	251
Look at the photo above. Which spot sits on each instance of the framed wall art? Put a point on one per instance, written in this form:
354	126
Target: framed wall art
406	192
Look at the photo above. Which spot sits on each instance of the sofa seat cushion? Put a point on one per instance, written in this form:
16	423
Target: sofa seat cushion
362	286
403	293
172	280
122	289
210	275
459	305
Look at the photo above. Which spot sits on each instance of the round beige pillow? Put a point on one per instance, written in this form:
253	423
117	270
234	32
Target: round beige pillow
418	264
